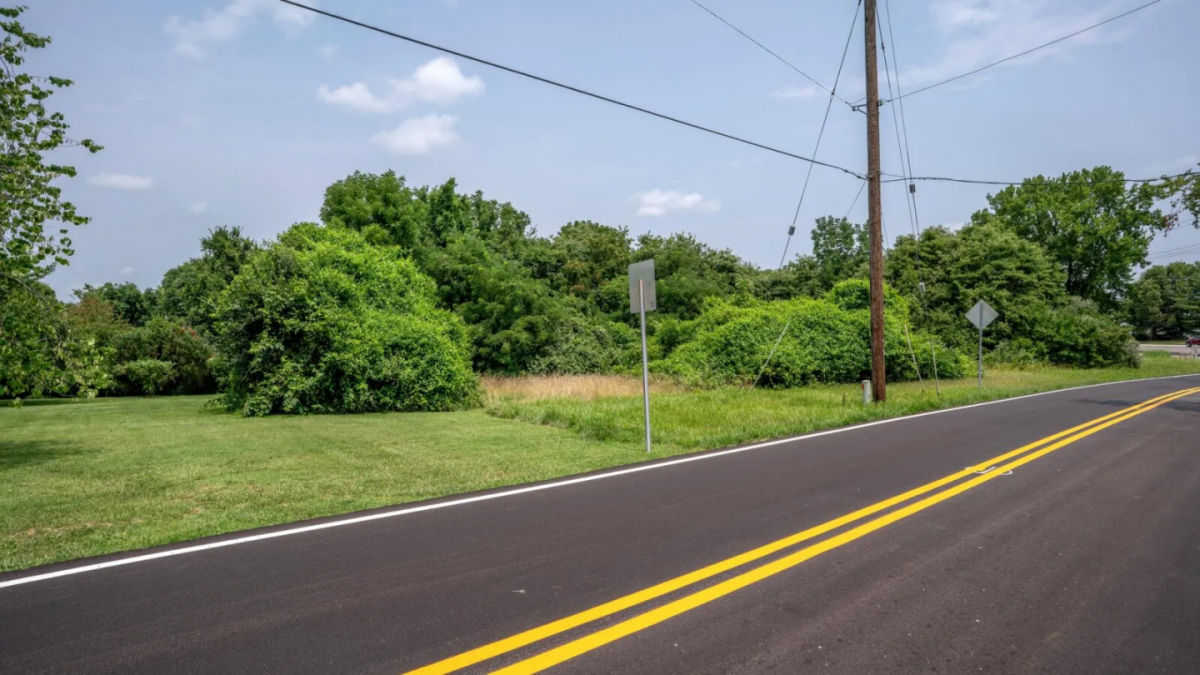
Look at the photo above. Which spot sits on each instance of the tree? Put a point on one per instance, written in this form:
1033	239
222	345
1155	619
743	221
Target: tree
690	272
1093	226
1184	192
1038	320
382	207
840	250
1165	301
190	291
30	200
979	262
36	351
129	303
321	321
186	353
590	255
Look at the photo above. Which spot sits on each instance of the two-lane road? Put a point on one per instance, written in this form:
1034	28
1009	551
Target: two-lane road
1050	534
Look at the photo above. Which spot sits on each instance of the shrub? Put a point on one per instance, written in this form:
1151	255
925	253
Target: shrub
147	376
823	343
324	322
1079	335
582	346
163	340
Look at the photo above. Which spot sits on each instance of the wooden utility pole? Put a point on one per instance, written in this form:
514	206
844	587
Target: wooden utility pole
875	206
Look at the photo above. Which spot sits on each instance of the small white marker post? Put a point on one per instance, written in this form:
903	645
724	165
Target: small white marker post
641	300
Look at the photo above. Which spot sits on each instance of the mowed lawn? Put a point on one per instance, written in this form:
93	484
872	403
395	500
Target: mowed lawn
83	478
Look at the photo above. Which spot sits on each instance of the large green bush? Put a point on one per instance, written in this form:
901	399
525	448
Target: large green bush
323	322
824	342
161	340
1079	335
145	376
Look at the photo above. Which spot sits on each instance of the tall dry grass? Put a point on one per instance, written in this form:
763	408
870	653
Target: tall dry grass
577	387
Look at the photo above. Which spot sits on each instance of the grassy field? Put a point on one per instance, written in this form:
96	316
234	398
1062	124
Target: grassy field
683	421
84	478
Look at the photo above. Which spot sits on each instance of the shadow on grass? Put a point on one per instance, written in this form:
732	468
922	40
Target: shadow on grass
37	402
14	454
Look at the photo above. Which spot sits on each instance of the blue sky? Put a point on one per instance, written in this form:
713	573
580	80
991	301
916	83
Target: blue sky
241	112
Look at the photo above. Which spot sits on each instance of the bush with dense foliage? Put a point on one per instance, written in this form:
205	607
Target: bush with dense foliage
161	340
145	376
1038	321
321	321
825	341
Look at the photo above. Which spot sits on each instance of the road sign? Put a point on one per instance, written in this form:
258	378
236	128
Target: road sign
981	315
641	285
642	300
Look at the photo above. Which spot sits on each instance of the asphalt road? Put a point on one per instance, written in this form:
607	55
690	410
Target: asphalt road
1180	349
1084	559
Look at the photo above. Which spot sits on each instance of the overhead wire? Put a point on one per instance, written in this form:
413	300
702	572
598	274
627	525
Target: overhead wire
821	133
1183	250
910	200
896	179
568	87
1027	51
804	190
854	203
768	50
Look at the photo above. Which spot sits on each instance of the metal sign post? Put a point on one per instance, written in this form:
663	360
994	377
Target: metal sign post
981	315
642	299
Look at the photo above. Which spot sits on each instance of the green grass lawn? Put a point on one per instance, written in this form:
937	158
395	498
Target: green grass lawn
722	417
84	478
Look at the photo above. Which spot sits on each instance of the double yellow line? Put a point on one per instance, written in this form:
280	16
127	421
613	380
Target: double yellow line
674	608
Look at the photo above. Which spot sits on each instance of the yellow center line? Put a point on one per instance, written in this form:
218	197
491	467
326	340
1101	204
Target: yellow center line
589	642
533	635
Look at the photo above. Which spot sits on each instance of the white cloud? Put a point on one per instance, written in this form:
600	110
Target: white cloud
357	96
801	93
419	135
126	271
950	14
120	181
439	81
328	51
198	207
220	25
658	202
984	31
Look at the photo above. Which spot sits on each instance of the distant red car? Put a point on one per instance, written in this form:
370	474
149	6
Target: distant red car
1192	342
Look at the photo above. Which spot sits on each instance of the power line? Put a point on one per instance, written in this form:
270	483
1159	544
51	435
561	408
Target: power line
676	120
1182	250
568	87
854	203
896	179
768	50
1028	51
821	133
911	192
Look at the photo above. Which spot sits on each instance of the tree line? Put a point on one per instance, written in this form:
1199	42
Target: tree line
401	295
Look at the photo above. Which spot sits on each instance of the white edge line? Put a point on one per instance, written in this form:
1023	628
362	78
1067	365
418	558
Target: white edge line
532	488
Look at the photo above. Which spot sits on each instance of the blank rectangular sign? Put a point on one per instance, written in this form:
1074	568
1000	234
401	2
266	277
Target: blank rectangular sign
644	272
